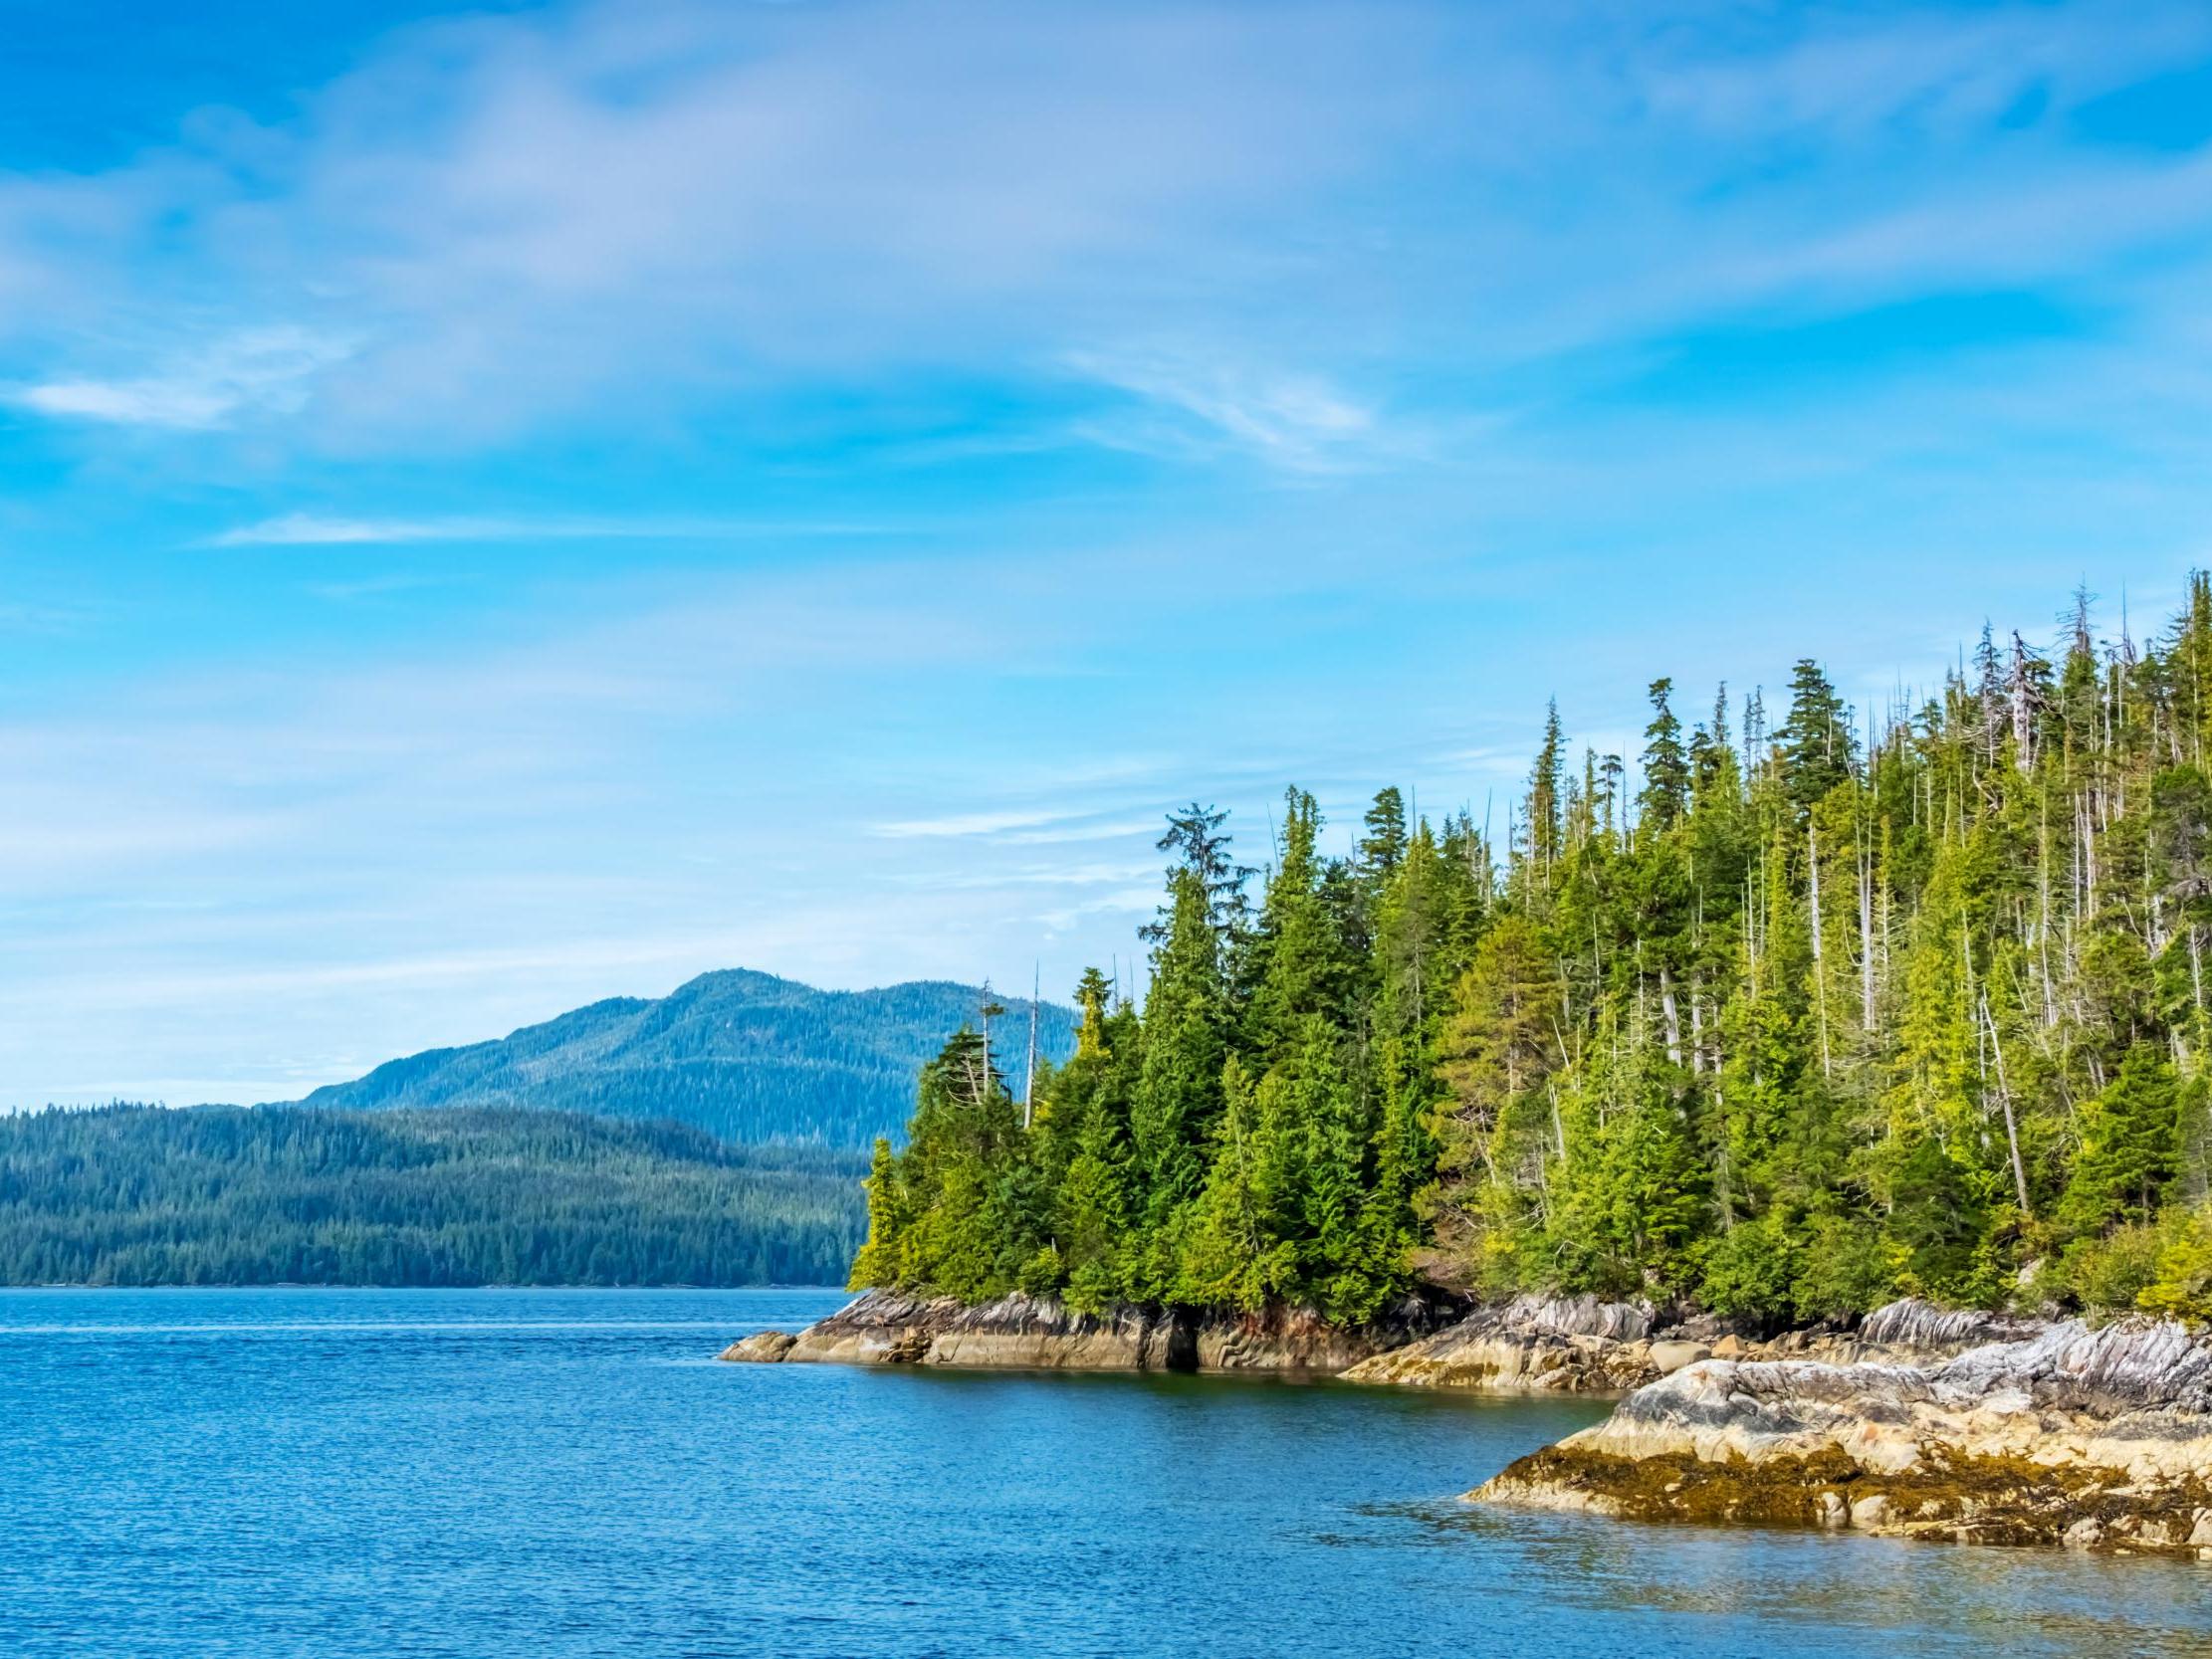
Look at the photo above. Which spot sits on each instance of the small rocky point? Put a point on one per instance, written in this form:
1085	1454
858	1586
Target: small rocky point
1026	1333
763	1347
2099	1439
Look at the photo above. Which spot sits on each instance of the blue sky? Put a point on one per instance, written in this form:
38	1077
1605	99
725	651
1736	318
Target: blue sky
504	507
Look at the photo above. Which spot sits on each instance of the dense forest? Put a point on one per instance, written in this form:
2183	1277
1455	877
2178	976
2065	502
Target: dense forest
230	1196
746	1056
1806	1012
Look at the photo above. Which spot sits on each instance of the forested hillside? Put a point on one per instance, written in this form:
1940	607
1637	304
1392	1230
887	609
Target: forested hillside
746	1056
1809	1011
231	1195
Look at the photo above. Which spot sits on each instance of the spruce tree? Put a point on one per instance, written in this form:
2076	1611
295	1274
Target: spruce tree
1179	1082
1666	793
1813	747
2129	1143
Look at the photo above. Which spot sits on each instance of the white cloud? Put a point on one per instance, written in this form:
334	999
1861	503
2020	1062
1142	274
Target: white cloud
313	529
521	221
255	372
1299	422
510	215
997	878
1133	901
964	824
1064	834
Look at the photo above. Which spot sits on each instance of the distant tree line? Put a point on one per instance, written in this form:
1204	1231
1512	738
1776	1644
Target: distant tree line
1805	1014
224	1195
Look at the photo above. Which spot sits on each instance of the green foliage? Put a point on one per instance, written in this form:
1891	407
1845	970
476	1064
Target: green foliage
1749	1270
2113	1271
234	1195
2181	1285
1798	1021
2131	1138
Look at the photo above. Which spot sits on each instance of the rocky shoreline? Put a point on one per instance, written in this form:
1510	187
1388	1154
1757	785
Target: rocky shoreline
1024	1332
2095	1439
1581	1345
1527	1346
1919	1422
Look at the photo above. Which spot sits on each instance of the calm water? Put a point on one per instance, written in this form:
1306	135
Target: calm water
568	1473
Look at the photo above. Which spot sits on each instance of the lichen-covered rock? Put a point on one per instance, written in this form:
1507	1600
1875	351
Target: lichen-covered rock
1530	1344
1026	1332
2096	1438
1915	1328
1292	1339
1582	1346
763	1347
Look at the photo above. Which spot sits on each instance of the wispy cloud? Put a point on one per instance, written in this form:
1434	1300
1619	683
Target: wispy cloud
512	215
502	225
1268	390
1299	422
312	529
1112	829
256	372
1130	900
964	824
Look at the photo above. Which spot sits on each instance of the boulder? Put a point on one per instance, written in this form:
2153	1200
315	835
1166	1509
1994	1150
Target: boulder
1670	1358
763	1347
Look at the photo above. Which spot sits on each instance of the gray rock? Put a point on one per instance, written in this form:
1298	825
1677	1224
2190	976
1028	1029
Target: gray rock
763	1347
1670	1358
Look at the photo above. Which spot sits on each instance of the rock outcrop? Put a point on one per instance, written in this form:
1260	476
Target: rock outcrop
1024	1332
2063	1434
763	1347
1533	1345
1582	1346
1528	1346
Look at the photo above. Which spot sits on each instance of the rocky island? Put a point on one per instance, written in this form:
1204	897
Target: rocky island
2094	1438
1733	1094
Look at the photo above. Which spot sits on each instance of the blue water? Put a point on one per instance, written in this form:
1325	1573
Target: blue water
568	1473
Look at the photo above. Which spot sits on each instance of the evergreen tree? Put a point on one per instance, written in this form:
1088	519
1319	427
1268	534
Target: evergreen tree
1667	773
1813	746
1384	844
1237	1255
877	1261
1815	1027
1179	1082
2129	1143
1199	839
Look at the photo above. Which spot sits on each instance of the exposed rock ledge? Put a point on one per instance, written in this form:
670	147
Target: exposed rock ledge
1581	1345
1022	1333
1530	1344
2099	1439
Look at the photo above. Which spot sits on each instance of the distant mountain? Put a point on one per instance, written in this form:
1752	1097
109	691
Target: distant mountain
745	1056
276	1194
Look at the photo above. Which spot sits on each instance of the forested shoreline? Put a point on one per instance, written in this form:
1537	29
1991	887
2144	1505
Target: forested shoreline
1817	1012
233	1195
